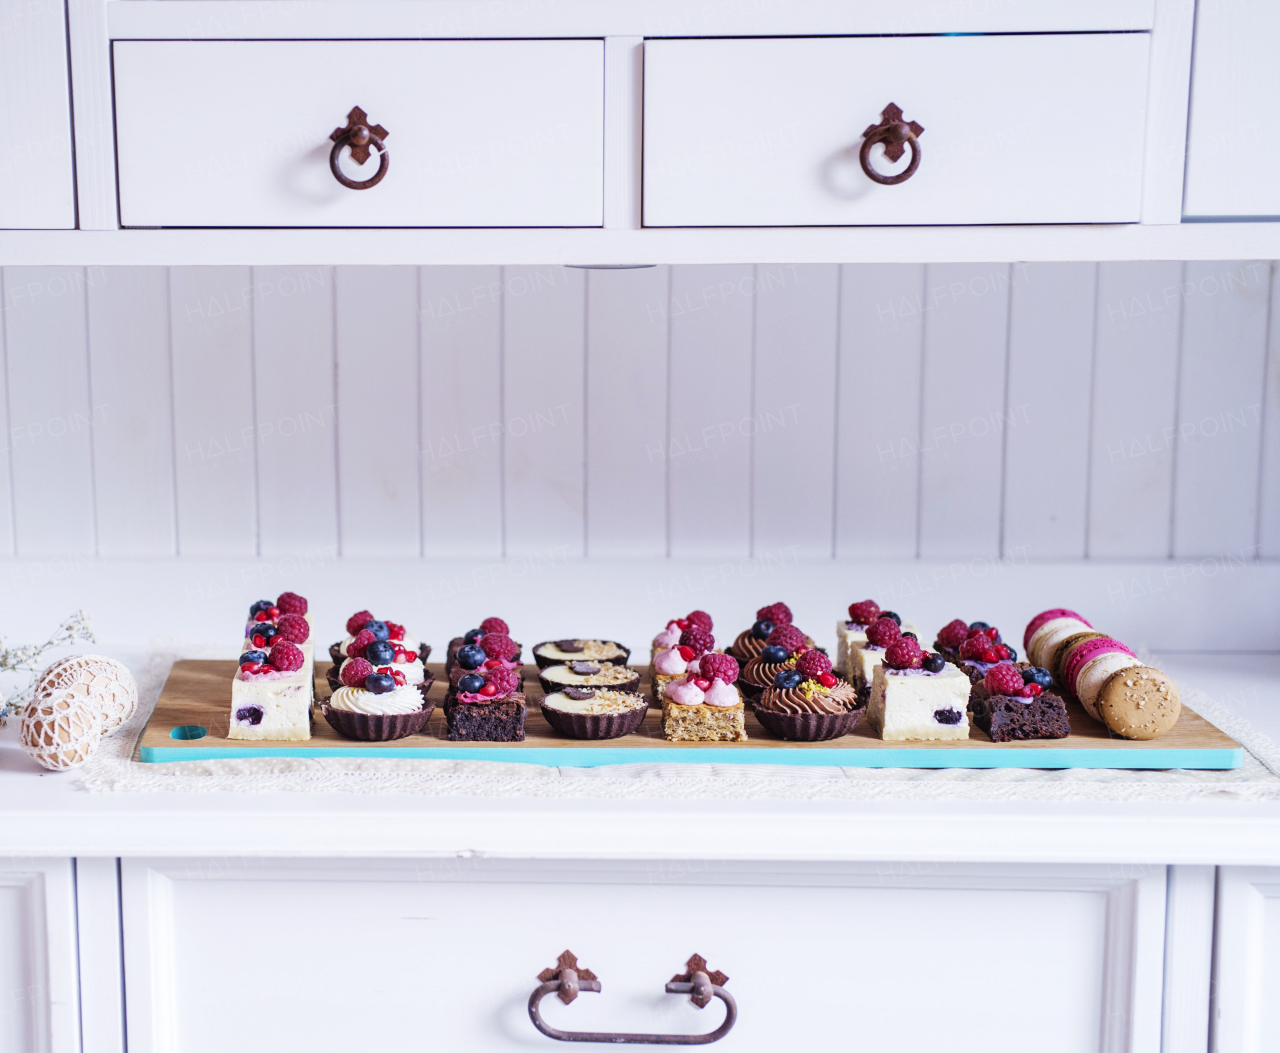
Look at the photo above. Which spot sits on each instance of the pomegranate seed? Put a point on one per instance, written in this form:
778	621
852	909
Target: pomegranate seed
992	634
489	690
991	655
827	680
702	684
273	612
252	667
398	677
1031	690
685	652
386	669
400	657
492	663
973	633
682	624
261	616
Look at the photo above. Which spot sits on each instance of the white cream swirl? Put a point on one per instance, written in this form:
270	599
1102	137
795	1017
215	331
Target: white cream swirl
357	700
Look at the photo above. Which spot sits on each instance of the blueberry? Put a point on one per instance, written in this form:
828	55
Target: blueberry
261	605
787	678
1013	653
380	653
263	634
762	629
379	630
947	716
891	614
774	654
470	683
249	715
933	663
473	635
379	683
471	656
1036	675
979	625
253	656
913	636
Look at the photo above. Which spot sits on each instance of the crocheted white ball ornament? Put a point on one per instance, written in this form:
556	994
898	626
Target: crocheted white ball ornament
60	733
94	681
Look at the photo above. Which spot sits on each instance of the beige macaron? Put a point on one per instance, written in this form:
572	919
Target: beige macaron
1139	703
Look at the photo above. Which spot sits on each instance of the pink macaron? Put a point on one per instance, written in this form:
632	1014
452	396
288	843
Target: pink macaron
1047	616
1086	653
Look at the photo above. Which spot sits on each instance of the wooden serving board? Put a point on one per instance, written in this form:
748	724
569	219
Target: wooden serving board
198	696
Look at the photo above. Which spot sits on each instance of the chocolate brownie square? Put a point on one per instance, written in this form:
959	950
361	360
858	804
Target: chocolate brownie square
1008	719
498	721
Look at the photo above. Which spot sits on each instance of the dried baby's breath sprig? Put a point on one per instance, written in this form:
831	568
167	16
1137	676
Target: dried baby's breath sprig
27	658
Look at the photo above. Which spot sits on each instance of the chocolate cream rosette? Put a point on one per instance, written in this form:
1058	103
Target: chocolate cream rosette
783	646
809	703
750	642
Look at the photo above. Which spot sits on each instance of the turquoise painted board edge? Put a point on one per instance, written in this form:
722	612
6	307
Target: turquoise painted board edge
568	757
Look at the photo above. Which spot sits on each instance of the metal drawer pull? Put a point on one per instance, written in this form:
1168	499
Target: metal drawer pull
893	131
359	134
568	979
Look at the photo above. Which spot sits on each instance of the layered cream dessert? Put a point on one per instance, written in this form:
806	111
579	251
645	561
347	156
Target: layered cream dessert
707	707
271	695
851	641
912	702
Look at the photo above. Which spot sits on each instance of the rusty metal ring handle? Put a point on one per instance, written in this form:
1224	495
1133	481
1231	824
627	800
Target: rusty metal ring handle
893	131
568	980
359	136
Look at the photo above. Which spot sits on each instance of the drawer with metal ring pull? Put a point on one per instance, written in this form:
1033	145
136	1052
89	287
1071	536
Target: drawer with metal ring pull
365	133
1045	128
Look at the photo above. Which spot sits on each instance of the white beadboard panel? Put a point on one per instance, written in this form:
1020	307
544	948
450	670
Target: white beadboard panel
1220	404
295	411
211	328
794	409
1269	469
51	410
378	397
133	452
963	414
1047	435
6	437
626	413
543	399
878	416
1139	318
711	316
463	429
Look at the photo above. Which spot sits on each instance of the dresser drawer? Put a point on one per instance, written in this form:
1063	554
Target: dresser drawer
1017	129
479	133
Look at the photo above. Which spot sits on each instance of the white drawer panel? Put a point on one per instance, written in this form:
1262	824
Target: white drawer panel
341	955
480	133
1017	129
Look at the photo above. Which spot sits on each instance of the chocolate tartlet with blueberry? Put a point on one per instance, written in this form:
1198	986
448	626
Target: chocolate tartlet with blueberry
560	652
809	703
489	625
594	713
488	706
376	705
750	642
974	648
1011	705
783	646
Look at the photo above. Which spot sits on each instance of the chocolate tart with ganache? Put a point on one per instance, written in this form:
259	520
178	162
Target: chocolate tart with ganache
358	712
560	652
590	713
494	712
809	703
609	675
489	625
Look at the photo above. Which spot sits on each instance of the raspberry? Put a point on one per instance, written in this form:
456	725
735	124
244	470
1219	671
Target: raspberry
1004	680
973	647
903	653
495	625
812	664
864	613
785	635
719	667
361	640
699	618
357	621
293	627
498	645
286	656
292	603
354	672
953	634
505	681
883	632
778	613
698	639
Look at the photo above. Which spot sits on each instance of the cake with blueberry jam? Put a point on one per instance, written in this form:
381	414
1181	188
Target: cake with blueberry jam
376	704
1012	705
271	694
471	636
488	706
560	652
382	644
683	659
808	702
594	713
975	647
707	707
917	697
851	635
783	647
670	636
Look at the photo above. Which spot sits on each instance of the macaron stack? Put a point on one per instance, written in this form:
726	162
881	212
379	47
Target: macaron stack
1132	699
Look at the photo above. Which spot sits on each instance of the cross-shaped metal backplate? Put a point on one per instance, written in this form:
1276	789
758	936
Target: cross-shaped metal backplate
357	117
893	146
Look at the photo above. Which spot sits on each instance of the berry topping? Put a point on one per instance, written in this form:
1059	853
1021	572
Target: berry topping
380	652
472	635
785	679
253	657
891	614
979	626
1036	675
947	716
813	664
354	671
699	639
357	622
1010	653
503	681
495	625
249	715
685	652
394	631
971	650
488	691
286	656
883	632
379	629
993	654
264	635
395	675
682	624
774	654
761	629
827	680
699	618
379	683
1030	690
291	603
719	667
499	645
933	663
294	628
470	683
361	640
953	634
786	635
260	607
904	653
1003	680
471	656
778	613
864	612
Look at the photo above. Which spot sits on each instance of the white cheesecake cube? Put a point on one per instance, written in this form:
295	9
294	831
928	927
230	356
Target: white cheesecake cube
912	705
849	636
272	706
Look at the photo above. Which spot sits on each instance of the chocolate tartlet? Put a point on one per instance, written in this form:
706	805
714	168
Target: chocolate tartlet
561	652
758	675
588	713
379	727
555	678
810	712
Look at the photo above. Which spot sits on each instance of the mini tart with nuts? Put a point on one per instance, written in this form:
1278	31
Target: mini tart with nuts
588	674
560	652
594	713
810	711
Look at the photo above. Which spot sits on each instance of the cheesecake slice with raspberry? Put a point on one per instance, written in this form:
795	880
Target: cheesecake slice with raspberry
851	638
917	697
271	694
